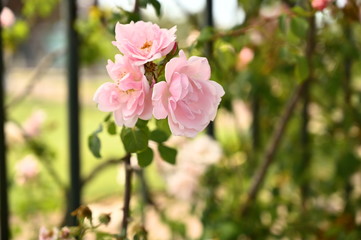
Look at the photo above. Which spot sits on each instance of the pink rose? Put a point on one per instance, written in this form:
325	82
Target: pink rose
143	42
187	97
129	97
32	126
319	4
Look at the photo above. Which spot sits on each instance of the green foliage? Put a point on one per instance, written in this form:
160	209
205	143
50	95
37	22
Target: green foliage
299	27
167	153
42	8
111	128
301	69
134	139
94	142
145	157
159	136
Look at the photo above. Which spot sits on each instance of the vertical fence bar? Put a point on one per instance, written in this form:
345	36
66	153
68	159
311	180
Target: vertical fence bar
209	50
74	197
4	205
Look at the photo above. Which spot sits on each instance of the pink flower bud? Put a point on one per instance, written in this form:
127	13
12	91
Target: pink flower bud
319	4
7	17
26	169
245	56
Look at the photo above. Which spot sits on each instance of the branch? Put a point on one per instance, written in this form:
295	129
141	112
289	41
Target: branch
36	76
279	131
100	168
127	195
273	145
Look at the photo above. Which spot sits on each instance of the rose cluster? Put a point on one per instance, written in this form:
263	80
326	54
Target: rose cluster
187	97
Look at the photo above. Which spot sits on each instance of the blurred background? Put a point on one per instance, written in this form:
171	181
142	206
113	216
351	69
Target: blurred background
282	160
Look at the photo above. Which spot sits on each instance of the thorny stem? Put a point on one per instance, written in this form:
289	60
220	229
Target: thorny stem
127	195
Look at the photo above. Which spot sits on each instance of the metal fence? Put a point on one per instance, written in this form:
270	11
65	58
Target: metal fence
74	191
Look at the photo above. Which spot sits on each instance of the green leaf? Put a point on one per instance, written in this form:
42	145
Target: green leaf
301	70
112	128
145	157
107	118
168	154
299	26
301	12
163	125
134	139
143	3
159	136
283	23
141	123
94	145
156	6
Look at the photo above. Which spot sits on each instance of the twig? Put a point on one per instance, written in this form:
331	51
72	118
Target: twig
272	146
127	195
36	76
100	168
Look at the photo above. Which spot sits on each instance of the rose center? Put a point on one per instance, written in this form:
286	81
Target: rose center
147	46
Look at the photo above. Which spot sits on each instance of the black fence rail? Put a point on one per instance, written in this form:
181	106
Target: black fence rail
4	207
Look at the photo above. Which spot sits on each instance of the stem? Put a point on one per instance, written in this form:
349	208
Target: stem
127	195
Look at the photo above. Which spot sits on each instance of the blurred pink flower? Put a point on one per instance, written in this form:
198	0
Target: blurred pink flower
143	42
187	97
319	4
245	56
26	170
45	234
242	114
129	97
32	126
7	17
13	133
193	158
64	234
182	185
202	150
192	37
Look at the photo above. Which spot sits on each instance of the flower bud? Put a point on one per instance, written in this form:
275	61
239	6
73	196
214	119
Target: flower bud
319	4
104	218
82	212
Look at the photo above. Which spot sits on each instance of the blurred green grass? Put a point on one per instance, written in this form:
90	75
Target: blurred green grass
44	195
